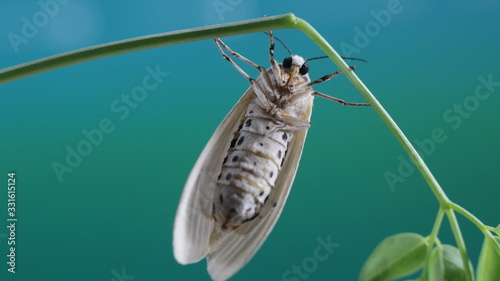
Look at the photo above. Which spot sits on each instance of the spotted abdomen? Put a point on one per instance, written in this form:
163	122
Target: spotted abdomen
249	171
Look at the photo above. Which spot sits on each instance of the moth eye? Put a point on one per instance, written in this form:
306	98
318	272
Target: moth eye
304	69
287	62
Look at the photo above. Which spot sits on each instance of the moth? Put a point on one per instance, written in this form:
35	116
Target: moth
239	184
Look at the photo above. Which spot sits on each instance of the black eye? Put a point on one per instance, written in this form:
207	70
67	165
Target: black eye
287	62
304	69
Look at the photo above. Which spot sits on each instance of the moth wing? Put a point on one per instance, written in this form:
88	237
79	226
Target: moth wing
194	222
230	251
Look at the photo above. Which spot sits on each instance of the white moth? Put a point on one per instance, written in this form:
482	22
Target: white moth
239	185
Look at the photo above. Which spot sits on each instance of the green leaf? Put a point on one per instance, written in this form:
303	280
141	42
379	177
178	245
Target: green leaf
397	256
445	264
488	267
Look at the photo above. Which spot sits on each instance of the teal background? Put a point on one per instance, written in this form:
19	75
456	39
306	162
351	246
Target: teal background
115	210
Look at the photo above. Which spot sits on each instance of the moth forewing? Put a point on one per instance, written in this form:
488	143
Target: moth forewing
194	222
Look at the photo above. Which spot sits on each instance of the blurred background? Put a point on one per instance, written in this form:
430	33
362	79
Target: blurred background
101	158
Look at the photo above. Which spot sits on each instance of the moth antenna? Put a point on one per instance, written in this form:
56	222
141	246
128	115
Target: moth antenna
346	58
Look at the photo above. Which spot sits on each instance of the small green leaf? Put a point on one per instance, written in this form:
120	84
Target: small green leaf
397	256
445	264
488	267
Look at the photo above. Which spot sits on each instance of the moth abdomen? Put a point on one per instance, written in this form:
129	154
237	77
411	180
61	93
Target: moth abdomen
249	170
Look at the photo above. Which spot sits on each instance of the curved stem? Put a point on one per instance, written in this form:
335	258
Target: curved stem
460	240
222	30
486	230
386	118
432	239
243	27
437	225
144	43
490	228
469	216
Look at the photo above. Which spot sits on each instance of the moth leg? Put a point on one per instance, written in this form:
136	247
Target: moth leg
271	50
290	123
219	43
342	102
327	77
274	65
271	45
259	91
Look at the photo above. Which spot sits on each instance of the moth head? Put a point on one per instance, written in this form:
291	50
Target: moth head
295	70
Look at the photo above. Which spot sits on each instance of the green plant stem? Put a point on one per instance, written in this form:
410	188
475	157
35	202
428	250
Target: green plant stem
386	118
432	239
484	228
222	30
460	240
437	225
470	217
144	43
490	228
244	27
